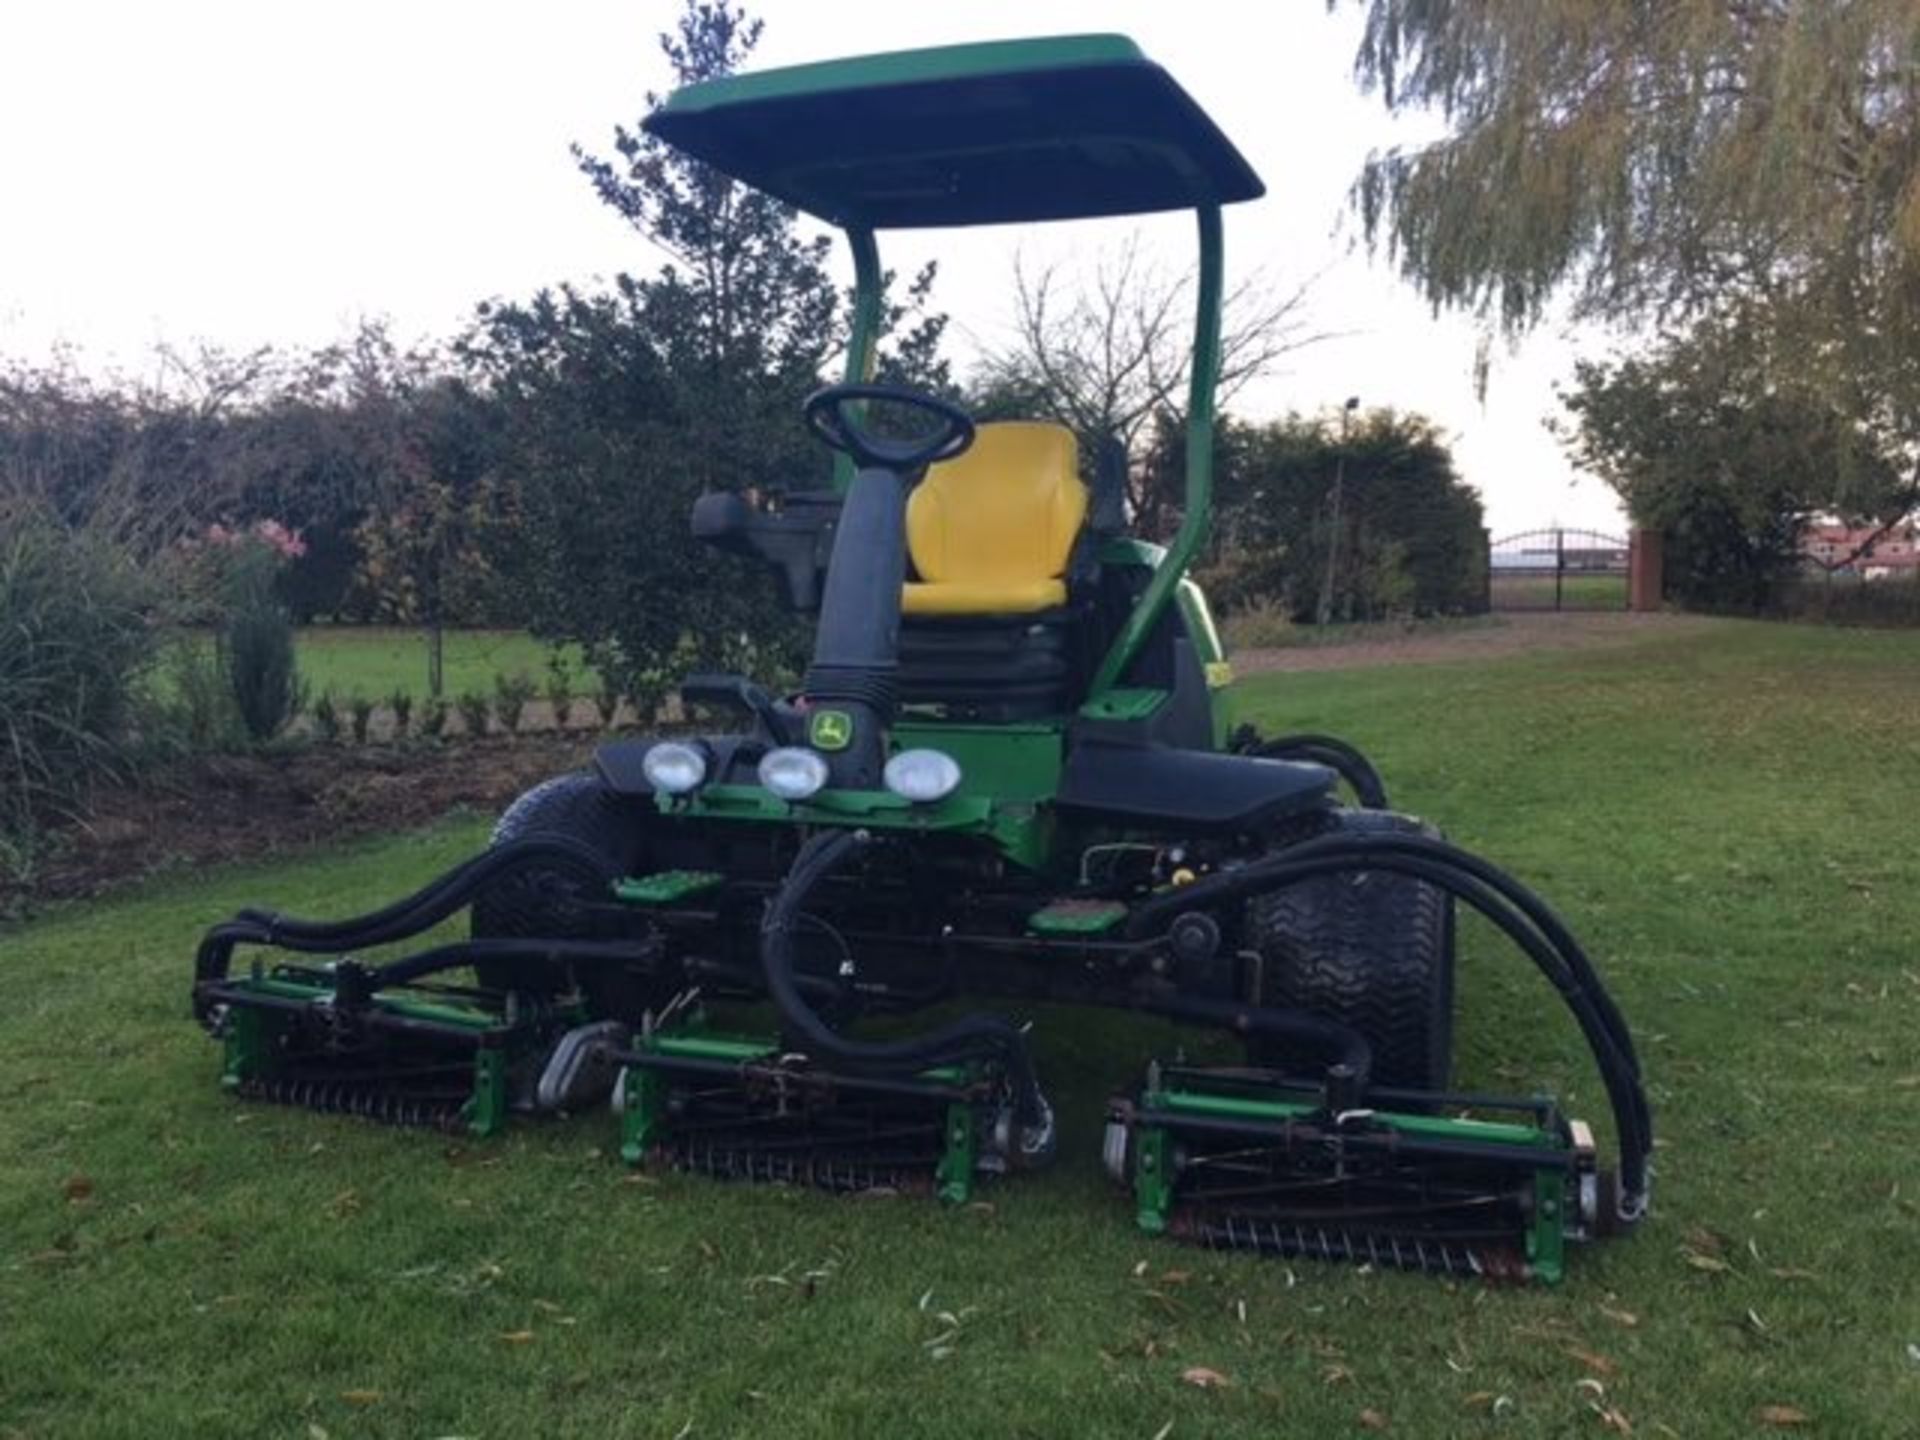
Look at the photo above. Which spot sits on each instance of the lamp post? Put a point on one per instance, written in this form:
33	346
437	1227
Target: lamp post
1333	525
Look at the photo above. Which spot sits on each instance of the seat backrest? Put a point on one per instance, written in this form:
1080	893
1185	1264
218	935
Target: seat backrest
1007	510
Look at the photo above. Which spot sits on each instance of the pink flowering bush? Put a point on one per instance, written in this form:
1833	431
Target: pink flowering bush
282	541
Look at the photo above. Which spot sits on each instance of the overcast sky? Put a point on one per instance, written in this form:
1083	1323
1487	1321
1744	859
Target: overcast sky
269	172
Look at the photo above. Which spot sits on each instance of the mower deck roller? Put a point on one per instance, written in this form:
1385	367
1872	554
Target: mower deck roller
1009	775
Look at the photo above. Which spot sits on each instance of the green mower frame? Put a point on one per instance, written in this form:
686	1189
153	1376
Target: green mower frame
1004	782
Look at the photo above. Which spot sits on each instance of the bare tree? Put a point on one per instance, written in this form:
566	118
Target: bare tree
1110	354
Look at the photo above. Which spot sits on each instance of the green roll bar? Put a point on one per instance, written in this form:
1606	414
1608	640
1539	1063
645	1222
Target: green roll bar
863	342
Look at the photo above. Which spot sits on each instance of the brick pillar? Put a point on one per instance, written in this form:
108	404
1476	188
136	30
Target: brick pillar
1646	569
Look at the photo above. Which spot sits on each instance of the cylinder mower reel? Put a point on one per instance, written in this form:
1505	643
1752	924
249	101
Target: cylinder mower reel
1009	775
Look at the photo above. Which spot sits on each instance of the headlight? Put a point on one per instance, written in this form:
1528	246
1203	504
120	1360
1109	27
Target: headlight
673	767
793	773
922	776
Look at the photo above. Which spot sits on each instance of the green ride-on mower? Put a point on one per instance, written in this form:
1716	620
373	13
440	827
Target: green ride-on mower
1006	775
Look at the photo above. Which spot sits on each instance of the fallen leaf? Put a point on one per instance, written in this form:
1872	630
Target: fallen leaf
1372	1420
1175	1277
317	1432
518	1337
1205	1379
1614	1419
1599	1364
360	1397
1164	1431
1479	1400
1782	1416
77	1189
1336	1375
1620	1317
1709	1263
707	1250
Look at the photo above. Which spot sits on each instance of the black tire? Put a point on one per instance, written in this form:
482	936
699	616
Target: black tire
1369	949
551	904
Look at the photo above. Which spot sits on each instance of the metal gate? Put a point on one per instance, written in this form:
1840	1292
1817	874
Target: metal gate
1558	570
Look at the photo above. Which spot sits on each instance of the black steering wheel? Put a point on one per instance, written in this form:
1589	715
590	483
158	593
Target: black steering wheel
830	418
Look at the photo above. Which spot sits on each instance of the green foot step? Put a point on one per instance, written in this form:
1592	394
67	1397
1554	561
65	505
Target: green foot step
1077	917
668	887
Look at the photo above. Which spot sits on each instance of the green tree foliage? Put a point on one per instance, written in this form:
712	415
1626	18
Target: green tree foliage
608	467
1701	439
1662	159
623	406
1410	539
437	541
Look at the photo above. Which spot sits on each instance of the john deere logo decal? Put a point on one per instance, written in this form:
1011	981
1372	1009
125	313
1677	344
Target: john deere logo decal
830	730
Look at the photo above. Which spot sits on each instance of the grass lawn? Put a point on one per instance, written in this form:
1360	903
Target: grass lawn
1726	816
374	661
1575	591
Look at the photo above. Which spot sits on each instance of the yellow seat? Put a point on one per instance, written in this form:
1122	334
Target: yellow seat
990	533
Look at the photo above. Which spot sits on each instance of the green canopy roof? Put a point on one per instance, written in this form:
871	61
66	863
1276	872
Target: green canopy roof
1012	130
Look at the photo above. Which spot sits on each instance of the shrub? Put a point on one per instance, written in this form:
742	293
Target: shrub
73	644
473	713
199	696
401	704
434	717
560	690
266	682
326	718
511	694
361	709
609	701
258	639
1263	624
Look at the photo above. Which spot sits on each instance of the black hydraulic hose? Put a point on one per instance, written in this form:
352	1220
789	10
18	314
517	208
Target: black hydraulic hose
1622	1082
1535	909
1436	863
1361	848
406	917
1339	1044
1526	901
1337	755
971	1035
1625	1095
438	899
741	977
460	953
